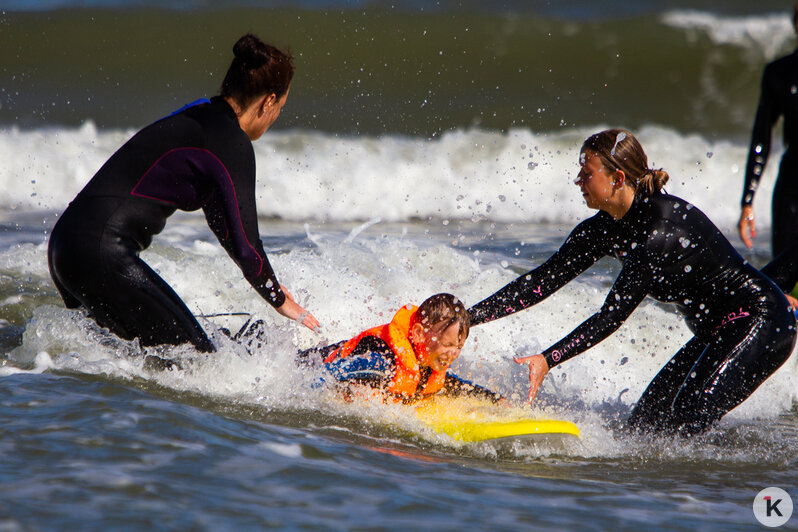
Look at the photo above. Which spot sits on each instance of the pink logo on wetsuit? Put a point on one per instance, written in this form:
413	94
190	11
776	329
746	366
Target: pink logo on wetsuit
556	355
524	305
733	316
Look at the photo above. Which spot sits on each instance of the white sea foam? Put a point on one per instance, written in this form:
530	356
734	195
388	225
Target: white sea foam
469	174
765	34
355	282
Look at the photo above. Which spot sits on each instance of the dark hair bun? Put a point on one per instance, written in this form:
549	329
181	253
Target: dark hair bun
257	69
251	51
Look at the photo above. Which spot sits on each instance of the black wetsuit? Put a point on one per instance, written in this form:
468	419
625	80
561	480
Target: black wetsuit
783	269
779	97
197	158
672	252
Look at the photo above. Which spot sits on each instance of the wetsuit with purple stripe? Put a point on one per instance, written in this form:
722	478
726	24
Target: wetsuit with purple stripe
671	251
198	158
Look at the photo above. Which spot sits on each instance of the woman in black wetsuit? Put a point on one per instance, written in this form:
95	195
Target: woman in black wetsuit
671	251
198	157
778	98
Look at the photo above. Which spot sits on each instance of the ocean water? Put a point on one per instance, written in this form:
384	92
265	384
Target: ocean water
539	65
374	194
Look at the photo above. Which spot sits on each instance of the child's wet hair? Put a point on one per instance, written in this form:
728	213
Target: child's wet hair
441	311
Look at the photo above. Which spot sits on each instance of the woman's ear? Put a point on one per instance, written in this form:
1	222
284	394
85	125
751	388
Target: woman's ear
267	101
620	178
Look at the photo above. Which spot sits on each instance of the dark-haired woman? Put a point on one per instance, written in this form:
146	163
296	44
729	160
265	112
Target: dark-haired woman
669	250
200	157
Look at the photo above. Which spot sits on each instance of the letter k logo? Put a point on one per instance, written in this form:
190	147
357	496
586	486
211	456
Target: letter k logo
772	506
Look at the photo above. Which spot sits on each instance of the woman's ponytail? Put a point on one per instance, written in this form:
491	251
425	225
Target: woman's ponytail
652	181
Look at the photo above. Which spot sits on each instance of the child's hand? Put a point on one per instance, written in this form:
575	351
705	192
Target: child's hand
538	368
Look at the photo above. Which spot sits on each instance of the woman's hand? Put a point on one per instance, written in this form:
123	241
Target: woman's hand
746	226
538	368
291	310
793	302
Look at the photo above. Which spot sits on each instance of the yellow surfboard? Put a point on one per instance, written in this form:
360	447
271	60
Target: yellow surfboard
473	420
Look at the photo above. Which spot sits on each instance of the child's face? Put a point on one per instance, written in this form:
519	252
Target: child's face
442	348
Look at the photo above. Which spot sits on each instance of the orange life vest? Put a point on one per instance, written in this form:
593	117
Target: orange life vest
397	335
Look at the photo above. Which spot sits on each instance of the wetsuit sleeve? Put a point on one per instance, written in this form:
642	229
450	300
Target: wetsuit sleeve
628	291
232	216
767	114
455	386
316	355
581	250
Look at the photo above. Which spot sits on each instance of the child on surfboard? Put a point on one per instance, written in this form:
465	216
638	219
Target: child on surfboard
408	358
